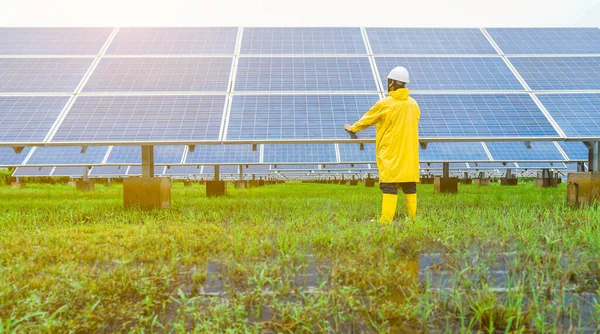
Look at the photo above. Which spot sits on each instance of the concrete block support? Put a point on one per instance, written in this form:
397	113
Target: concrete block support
216	188
445	184
485	182
370	183
84	185
353	182
509	181
583	188
188	183
18	185
147	192
426	180
466	181
241	184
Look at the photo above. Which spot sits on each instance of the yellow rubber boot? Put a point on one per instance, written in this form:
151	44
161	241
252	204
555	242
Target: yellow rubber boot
411	205
388	208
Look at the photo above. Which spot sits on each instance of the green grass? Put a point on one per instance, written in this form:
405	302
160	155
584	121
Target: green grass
297	257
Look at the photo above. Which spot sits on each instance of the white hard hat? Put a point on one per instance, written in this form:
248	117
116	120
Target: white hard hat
399	73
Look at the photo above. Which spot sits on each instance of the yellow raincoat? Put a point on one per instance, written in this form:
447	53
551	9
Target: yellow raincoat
396	118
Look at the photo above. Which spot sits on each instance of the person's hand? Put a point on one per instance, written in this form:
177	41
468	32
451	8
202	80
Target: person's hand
348	128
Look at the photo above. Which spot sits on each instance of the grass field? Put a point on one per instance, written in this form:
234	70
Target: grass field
298	258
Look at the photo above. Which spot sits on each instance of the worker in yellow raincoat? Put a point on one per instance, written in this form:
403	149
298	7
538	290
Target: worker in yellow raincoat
396	119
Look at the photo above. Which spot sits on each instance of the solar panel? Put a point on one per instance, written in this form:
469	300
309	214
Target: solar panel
208	74
299	153
515	151
352	153
67	155
255	117
578	115
576	151
68	171
173	41
233	170
303	41
256	169
8	157
262	74
52	41
137	171
451	73
446	152
26	119
294	167
492	165
428	41
223	154
183	170
481	116
106	171
142	119
547	40
129	155
541	165
439	166
559	73
32	171
42	75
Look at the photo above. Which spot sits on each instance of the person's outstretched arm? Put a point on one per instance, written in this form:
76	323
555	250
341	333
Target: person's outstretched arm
370	118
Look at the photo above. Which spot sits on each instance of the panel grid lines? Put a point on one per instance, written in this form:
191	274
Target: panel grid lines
42	75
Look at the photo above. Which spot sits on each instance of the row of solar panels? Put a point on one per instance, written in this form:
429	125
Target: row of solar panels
291	154
350	40
233	172
96	120
293	74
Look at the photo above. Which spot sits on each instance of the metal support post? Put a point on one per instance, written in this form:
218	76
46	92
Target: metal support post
147	161
85	174
446	169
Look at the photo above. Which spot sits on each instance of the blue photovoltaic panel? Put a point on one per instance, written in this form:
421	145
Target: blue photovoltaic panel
32	171
223	154
52	41
575	150
352	166
42	75
207	74
28	118
129	155
142	118
69	171
573	167
174	41
352	153
258	74
547	40
299	153
436	166
446	152
481	115
428	41
256	169
294	167
108	171
234	170
451	73
137	170
578	115
492	165
515	151
303	41
67	155
8	157
184	170
297	116
559	73
540	165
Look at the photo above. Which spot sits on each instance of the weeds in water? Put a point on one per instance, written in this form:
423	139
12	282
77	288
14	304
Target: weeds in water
297	257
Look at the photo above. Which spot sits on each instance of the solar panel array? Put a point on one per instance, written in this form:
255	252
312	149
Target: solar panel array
130	86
